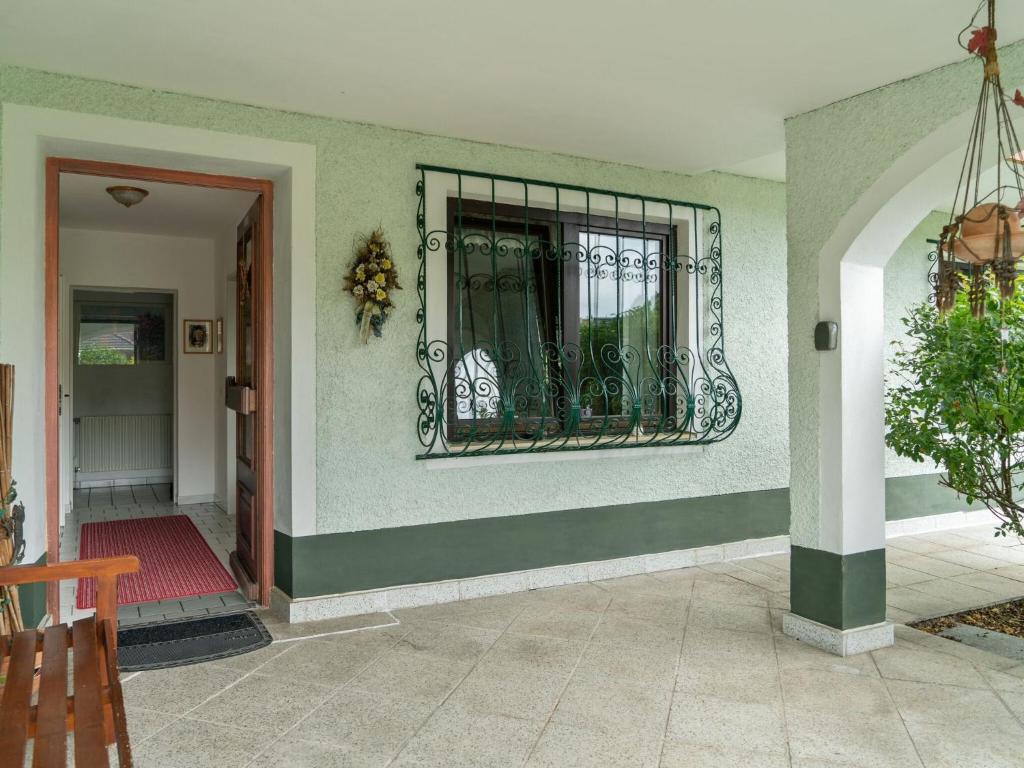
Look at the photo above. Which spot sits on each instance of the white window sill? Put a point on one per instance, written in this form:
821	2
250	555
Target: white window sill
464	462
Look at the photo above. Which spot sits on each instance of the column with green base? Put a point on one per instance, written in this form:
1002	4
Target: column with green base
838	601
837	494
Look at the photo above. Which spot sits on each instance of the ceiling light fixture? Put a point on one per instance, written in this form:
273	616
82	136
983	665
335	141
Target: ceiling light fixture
127	196
984	231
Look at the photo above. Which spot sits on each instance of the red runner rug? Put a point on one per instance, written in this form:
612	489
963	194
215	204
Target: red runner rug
175	558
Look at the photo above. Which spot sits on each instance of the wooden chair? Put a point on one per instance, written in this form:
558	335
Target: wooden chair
95	709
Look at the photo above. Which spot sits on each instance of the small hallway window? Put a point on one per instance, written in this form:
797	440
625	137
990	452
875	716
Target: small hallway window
121	334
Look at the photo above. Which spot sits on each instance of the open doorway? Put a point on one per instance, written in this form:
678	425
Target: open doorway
150	309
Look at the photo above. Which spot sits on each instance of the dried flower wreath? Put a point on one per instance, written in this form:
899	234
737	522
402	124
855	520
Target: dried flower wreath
371	280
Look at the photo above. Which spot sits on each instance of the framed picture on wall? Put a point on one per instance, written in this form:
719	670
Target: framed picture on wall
198	337
220	335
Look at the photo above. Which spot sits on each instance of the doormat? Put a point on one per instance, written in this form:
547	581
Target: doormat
163	644
175	560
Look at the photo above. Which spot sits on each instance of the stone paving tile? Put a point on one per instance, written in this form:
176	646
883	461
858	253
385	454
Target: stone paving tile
1000	586
460	740
191	743
953	744
955	591
869	742
709	721
291	752
371	728
970	559
256	698
918	664
570	746
1012	555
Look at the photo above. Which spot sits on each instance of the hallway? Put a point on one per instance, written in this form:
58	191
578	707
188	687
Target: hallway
128	502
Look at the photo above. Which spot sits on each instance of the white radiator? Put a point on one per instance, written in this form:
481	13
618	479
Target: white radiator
113	443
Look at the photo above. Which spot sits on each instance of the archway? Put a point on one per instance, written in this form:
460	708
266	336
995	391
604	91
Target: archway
856	188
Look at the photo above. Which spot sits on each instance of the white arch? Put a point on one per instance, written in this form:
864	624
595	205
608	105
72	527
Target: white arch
850	284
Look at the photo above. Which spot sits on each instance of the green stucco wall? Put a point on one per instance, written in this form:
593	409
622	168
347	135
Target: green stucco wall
366	441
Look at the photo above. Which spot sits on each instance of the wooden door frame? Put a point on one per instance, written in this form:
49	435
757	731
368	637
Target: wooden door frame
55	166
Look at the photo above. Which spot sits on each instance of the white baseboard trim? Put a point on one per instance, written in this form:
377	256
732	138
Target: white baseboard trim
433	593
841	642
204	498
122	479
930	523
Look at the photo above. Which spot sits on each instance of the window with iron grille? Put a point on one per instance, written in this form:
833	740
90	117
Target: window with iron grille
557	317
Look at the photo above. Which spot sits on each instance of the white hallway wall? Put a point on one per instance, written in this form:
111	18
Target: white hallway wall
186	266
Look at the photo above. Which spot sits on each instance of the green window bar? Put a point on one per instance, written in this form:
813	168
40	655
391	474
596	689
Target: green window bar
556	317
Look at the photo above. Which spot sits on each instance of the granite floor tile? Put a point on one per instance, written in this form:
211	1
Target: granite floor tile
177	690
557	621
317	661
904	662
869	742
746	618
930	703
413	676
569	746
653	666
291	752
457	739
677	754
853	692
191	743
522	694
708	721
369	728
273	703
604	706
967	744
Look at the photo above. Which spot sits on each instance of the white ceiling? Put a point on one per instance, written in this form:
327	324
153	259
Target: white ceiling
170	209
686	85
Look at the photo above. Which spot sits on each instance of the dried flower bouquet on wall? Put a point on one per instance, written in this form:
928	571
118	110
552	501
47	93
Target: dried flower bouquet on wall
371	280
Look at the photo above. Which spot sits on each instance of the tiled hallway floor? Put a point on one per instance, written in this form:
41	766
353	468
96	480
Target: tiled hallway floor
678	669
124	502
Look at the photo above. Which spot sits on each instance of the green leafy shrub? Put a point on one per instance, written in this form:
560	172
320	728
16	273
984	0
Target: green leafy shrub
956	397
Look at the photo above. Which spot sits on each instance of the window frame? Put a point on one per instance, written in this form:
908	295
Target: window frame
563	325
152	307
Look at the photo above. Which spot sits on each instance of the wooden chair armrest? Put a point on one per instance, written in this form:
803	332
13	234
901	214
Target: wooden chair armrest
99	567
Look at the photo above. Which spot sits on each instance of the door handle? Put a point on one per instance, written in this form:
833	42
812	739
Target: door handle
239	397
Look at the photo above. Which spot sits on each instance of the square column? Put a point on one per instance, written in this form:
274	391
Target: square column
837	568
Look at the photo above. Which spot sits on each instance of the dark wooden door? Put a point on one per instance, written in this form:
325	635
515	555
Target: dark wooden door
243	397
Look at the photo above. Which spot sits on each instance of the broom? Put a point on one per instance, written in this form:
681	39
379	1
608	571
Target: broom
10	616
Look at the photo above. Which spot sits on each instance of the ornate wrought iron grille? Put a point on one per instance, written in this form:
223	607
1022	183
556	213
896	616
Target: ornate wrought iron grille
557	317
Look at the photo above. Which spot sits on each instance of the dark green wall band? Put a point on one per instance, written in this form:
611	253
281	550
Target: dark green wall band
842	591
343	562
920	495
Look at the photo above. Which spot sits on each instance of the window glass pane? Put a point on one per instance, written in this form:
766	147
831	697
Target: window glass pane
620	325
106	343
498	326
122	334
